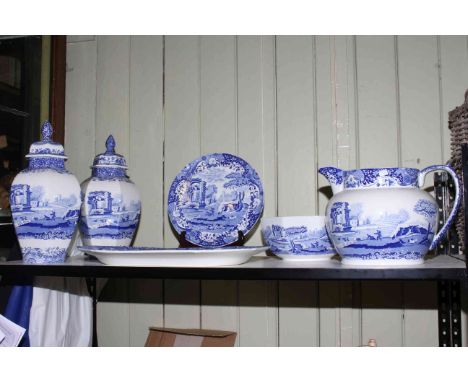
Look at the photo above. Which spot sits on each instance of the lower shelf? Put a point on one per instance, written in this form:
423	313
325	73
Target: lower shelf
260	267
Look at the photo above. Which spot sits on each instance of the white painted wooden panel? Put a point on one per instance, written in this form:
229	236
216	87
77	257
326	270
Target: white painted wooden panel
256	139
325	109
453	80
298	314
343	57
329	291
146	308
113	95
297	162
377	101
381	312
80	107
218	123
112	116
420	313
377	126
218	94
421	145
258	313
296	126
146	157
182	145
256	129
421	142
344	95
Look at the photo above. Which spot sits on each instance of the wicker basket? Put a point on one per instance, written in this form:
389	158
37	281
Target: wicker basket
458	125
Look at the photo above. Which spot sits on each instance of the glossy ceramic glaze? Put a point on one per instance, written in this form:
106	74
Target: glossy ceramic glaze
297	237
111	202
213	198
172	257
45	202
380	216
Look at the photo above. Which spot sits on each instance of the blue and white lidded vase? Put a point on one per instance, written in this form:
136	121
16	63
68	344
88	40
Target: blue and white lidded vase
45	202
381	216
111	202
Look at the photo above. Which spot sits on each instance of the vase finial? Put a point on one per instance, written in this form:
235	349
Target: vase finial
110	145
47	131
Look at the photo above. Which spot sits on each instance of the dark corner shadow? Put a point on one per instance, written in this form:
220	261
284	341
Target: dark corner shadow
374	295
326	191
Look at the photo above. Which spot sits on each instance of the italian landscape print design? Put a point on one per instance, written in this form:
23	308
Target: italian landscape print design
109	216
297	240
405	234
36	217
213	198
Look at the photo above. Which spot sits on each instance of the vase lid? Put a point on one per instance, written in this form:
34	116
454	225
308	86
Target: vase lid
46	147
110	158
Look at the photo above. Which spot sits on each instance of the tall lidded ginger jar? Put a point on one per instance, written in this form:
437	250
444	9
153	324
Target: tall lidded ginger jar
111	202
45	202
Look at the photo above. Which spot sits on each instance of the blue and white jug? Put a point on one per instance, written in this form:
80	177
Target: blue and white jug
380	216
111	202
45	202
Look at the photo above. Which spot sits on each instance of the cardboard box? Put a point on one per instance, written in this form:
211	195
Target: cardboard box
164	337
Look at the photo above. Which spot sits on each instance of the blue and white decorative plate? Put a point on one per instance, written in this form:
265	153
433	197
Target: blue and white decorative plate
213	198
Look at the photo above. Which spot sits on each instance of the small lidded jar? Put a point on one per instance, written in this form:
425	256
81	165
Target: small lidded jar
111	206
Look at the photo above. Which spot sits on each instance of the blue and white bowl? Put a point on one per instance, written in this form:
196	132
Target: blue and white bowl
298	237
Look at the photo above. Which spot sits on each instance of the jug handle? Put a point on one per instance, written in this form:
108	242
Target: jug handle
456	204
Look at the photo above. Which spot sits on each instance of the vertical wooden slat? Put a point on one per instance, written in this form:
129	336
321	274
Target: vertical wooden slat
296	175
146	170
339	314
344	322
421	145
377	101
329	294
344	98
298	313
454	81
378	143
218	116
218	94
258	312
381	312
182	145
296	124
258	316
112	116
112	100
421	317
80	108
419	101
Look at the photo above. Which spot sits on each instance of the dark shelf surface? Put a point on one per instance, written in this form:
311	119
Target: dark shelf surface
261	267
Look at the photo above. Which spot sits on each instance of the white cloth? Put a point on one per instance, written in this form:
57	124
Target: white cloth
61	310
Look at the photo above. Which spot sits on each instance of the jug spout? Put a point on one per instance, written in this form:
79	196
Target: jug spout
334	177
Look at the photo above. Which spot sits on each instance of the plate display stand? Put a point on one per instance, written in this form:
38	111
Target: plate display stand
184	243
